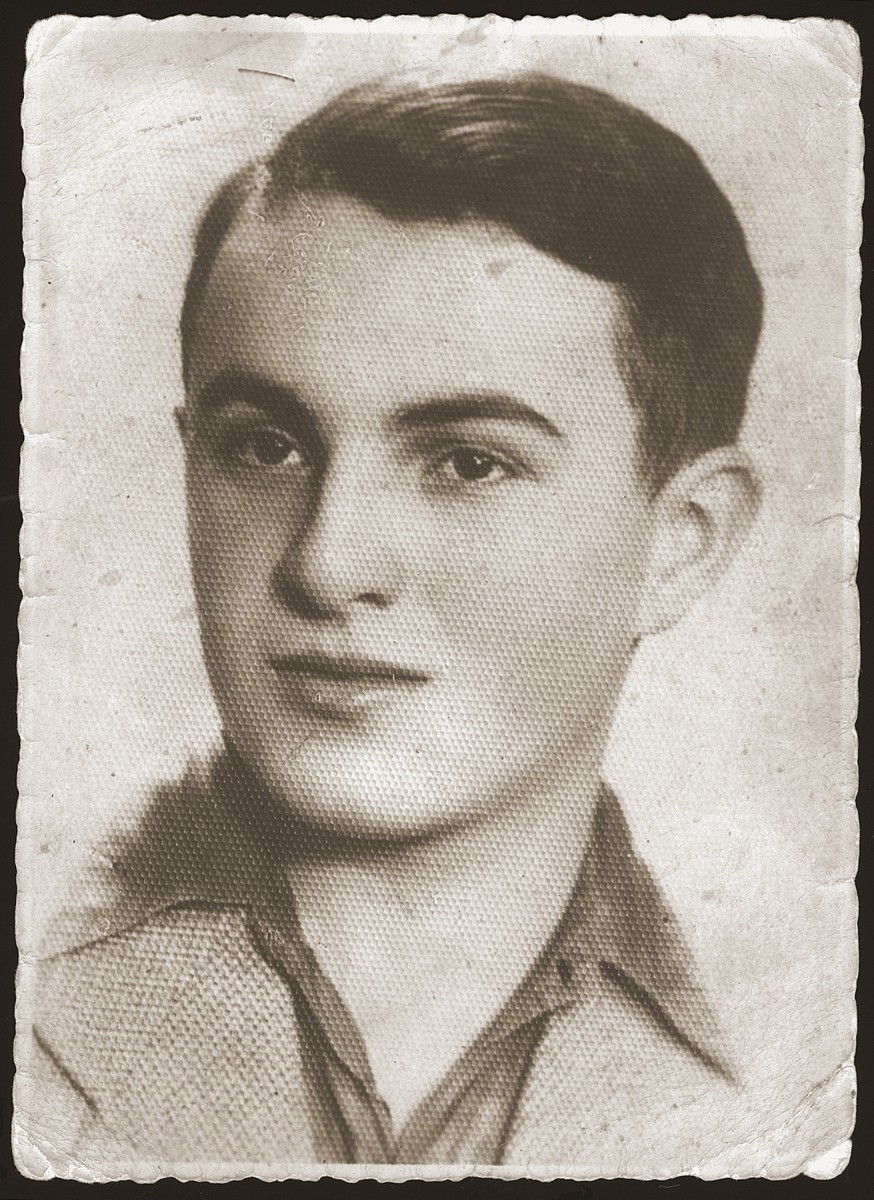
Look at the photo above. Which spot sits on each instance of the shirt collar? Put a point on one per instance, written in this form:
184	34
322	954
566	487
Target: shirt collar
616	929
628	934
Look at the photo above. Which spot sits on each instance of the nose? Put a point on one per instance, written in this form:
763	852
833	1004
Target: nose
345	554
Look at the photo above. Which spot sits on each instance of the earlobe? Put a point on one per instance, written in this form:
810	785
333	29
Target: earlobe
700	520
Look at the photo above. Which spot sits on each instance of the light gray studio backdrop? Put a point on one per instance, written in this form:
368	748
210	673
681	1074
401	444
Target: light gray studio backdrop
733	750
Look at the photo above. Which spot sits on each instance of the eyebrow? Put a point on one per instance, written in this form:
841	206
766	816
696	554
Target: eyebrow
283	405
474	406
247	387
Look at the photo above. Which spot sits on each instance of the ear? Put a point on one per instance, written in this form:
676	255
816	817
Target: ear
700	519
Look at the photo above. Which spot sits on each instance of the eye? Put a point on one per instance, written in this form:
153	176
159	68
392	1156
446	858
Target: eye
474	466
263	447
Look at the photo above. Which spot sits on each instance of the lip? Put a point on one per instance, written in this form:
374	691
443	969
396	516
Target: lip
348	669
343	686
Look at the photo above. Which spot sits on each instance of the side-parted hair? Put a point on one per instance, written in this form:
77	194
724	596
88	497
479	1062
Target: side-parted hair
579	175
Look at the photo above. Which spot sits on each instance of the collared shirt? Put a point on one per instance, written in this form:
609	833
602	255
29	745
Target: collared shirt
468	1115
615	927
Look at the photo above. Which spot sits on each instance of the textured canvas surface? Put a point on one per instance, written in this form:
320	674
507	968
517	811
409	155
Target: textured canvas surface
438	752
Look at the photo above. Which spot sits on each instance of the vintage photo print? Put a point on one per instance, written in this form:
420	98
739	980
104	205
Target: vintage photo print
439	646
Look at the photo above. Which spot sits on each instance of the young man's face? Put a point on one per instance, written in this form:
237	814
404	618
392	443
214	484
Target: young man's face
417	531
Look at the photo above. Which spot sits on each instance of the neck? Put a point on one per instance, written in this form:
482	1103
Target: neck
427	938
433	886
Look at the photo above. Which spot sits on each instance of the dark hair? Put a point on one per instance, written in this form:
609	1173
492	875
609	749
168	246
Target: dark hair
578	174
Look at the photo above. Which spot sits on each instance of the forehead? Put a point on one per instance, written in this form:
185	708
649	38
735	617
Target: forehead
333	292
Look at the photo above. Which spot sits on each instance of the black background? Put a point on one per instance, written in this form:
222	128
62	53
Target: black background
15	20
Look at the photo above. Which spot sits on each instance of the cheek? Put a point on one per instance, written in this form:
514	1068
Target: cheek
538	594
235	546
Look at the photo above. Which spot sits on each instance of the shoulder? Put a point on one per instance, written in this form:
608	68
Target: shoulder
615	1090
171	943
122	990
151	1029
155	965
633	1076
172	1034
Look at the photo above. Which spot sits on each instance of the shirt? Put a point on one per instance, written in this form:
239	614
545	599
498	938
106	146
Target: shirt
468	1114
615	932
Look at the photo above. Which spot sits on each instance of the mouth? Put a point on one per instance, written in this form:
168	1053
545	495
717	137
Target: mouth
342	685
348	669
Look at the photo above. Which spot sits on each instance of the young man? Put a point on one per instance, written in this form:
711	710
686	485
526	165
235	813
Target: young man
464	370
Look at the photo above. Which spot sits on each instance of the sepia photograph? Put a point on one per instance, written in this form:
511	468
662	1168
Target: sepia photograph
440	639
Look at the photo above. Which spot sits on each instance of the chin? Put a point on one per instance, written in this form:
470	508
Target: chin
354	795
